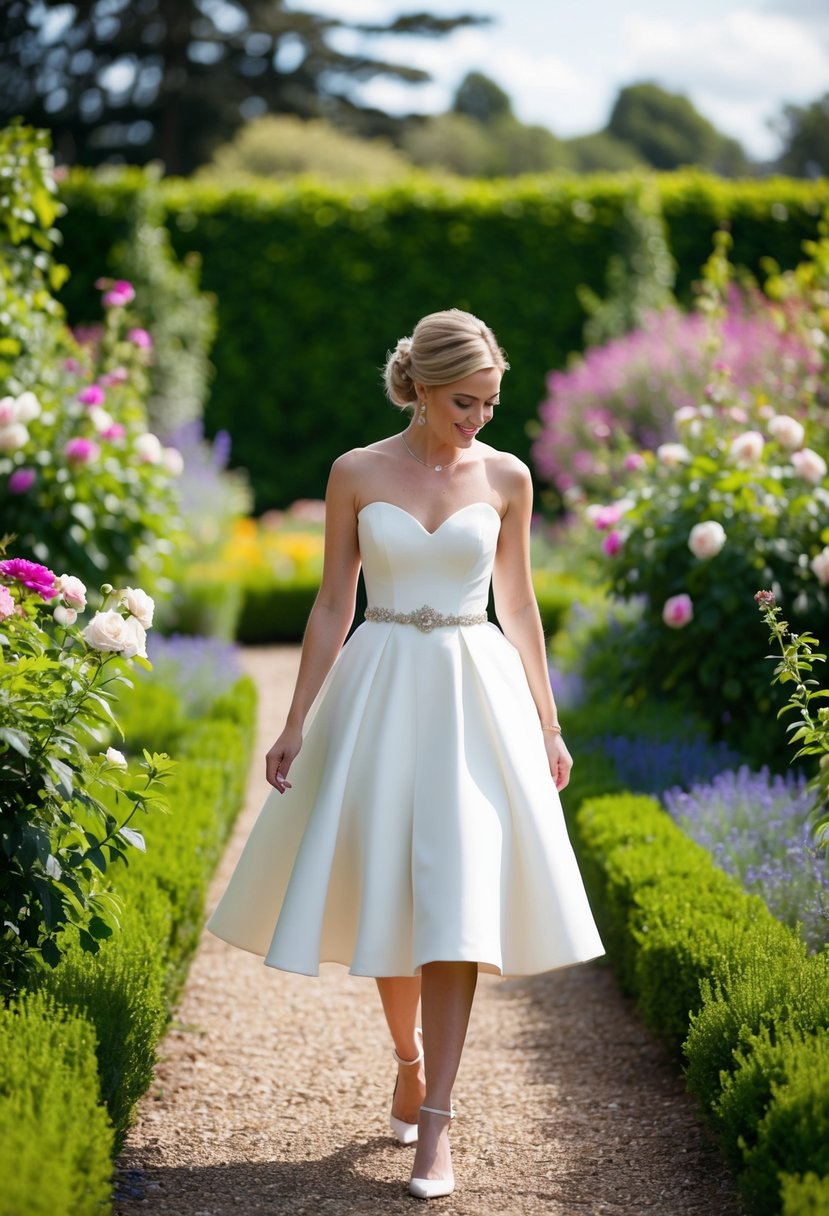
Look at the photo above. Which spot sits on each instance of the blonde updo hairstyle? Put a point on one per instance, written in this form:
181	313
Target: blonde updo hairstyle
444	347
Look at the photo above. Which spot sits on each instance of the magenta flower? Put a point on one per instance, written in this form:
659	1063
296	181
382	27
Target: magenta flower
120	294
612	543
606	517
29	574
71	365
81	451
93	394
118	375
114	432
6	603
140	337
678	611
633	462
21	481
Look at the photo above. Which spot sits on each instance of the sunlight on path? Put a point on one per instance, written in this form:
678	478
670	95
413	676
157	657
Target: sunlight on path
273	1089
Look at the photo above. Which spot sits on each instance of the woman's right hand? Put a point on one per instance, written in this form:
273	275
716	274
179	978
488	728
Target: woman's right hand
280	758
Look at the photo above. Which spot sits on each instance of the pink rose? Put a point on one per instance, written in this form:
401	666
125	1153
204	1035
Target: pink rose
93	394
809	465
820	566
678	611
119	295
114	432
706	539
71	590
21	480
81	451
118	375
748	447
29	574
65	616
633	462
606	517
612	543
6	603
8	411
787	431
140	337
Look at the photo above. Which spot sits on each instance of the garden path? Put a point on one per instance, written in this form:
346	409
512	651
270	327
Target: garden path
272	1090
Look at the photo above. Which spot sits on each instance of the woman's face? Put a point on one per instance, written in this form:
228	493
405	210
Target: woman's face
456	412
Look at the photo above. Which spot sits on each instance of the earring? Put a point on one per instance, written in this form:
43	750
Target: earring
421	415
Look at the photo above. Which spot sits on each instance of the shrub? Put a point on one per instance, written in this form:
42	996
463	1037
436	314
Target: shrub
804	1194
55	1134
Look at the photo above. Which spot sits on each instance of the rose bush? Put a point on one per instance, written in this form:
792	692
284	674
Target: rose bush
741	499
83	483
68	799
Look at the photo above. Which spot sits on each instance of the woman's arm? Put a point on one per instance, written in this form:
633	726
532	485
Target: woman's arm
518	613
330	617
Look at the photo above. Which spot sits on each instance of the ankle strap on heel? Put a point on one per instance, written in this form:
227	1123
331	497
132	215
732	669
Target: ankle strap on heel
433	1110
418	1058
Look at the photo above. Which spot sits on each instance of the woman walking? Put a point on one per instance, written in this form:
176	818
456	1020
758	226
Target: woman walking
415	832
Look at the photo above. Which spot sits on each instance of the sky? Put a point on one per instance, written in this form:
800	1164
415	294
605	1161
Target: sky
562	62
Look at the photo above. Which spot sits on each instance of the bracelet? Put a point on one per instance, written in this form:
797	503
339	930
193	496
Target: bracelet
556	730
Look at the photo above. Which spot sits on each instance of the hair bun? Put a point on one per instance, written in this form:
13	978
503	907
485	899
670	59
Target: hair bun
403	350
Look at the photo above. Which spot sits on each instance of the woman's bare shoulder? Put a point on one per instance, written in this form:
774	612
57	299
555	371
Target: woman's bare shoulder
508	474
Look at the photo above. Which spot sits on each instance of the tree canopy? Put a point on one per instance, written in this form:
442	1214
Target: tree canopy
667	131
805	131
170	79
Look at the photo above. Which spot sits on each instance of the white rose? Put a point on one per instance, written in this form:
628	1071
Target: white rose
820	566
13	436
65	616
786	430
8	411
135	638
685	413
106	631
115	758
673	454
138	604
807	464
101	419
173	461
28	407
748	447
148	447
71	590
706	539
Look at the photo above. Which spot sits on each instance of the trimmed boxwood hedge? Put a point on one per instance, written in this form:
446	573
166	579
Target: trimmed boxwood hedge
315	284
717	976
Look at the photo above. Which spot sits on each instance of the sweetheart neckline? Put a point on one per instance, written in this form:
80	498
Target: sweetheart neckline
384	503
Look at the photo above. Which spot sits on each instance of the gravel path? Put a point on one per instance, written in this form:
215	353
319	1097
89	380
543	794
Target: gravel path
272	1092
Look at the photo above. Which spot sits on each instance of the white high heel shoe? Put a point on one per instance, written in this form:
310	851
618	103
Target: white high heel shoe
406	1133
432	1188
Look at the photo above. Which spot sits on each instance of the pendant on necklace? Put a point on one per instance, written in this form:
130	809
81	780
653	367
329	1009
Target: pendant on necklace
438	468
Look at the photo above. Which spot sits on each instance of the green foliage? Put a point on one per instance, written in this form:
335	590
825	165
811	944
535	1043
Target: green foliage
481	98
669	133
66	814
276	612
282	145
601	152
805	131
502	146
297	371
180	318
804	1194
55	1134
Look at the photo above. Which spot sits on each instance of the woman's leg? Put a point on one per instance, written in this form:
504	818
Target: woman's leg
447	991
400	996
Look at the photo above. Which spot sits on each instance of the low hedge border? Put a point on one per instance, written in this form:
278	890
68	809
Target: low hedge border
717	977
101	1017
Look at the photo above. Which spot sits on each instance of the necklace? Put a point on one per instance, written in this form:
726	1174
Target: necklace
437	468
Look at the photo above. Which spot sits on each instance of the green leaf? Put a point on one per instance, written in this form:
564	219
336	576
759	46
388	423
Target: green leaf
50	953
133	837
17	739
99	928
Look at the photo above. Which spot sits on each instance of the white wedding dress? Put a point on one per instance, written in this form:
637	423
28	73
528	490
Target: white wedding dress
422	823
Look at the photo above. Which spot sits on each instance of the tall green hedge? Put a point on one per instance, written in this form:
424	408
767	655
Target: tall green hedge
314	285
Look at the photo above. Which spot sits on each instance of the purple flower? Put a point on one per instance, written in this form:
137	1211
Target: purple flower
612	543
29	574
81	451
120	294
21	481
93	394
140	337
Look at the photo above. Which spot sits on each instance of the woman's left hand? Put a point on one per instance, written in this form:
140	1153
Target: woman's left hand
559	759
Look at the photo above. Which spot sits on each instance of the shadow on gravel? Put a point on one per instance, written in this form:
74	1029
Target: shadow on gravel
624	1133
340	1184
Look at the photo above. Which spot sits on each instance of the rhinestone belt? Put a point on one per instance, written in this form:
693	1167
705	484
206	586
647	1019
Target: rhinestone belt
426	619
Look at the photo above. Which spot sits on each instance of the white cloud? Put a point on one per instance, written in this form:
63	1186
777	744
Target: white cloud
738	69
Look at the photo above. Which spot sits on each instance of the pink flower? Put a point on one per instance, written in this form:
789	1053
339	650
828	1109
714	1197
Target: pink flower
173	461
13	437
606	517
71	365
118	375
65	616
820	566
706	539
71	590
6	603
786	430
809	465
748	447
21	481
120	294
93	394
612	543
81	451
116	431
8	411
29	574
148	448
140	337
633	462
678	611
